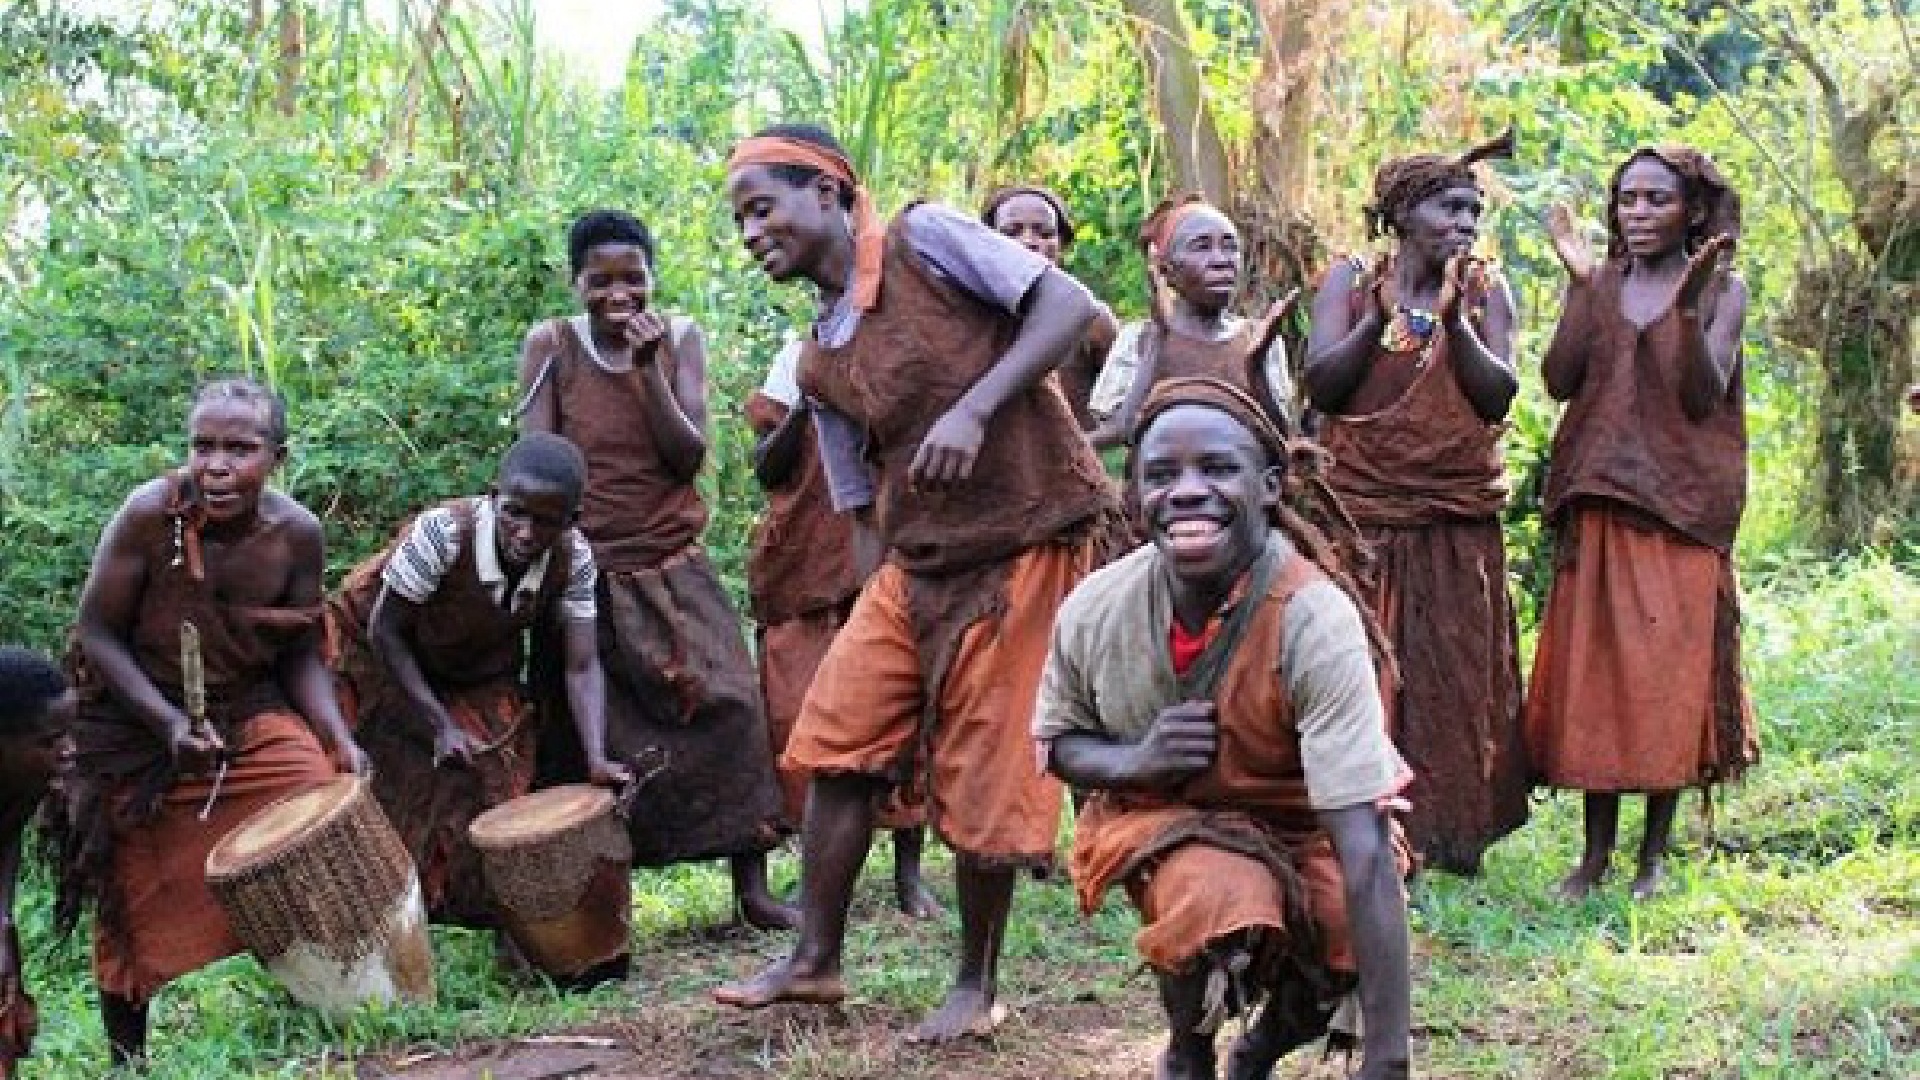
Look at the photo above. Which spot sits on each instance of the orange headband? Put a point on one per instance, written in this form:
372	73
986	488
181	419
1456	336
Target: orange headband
869	235
1166	218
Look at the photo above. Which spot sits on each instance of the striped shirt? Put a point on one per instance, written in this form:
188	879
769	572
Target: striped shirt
432	546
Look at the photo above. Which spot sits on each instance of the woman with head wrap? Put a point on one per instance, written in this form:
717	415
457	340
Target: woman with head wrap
1194	264
1410	361
928	361
1037	219
1636	681
1244	814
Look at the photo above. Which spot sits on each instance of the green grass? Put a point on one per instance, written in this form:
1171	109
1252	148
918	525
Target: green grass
1789	947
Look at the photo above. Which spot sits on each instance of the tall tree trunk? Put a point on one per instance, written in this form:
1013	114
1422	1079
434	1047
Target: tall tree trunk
1283	247
293	50
1194	148
1852	306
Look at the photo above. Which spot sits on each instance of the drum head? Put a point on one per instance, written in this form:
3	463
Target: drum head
540	815
282	825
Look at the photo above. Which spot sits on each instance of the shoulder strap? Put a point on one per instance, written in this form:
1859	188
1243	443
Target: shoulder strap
1203	678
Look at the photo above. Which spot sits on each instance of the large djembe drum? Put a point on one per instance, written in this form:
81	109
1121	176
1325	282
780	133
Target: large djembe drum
319	887
557	864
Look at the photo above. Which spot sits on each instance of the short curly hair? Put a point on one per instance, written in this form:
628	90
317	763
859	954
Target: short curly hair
28	683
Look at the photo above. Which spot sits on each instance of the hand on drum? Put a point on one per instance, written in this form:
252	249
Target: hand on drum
452	745
608	774
349	758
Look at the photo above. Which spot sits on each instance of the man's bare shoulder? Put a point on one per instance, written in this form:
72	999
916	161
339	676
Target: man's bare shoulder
283	511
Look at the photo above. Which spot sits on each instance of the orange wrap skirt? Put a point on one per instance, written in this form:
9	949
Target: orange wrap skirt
172	923
1197	894
986	796
1636	680
790	655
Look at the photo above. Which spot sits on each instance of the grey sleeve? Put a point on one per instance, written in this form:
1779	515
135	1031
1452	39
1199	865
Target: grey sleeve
972	257
1329	675
1065	701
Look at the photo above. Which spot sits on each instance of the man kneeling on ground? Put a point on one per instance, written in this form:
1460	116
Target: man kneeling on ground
1215	690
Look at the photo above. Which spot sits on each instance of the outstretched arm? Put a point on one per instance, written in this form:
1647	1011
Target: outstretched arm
392	629
1340	349
587	700
1377	913
1055	313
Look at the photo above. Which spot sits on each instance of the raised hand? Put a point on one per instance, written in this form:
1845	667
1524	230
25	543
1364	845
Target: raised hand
1706	273
645	331
1273	324
1569	243
1179	746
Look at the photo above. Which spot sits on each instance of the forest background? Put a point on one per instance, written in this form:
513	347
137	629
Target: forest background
367	208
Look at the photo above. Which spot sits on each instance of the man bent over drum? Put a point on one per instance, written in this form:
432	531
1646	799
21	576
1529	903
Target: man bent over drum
1215	691
201	694
430	642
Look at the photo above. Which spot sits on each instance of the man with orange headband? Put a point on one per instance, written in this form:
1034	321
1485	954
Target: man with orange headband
927	364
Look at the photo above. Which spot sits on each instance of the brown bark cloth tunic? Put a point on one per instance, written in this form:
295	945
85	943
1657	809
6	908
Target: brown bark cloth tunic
681	694
471	650
932	680
1240	846
801	582
1636	681
126	827
21	791
1422	475
1082	369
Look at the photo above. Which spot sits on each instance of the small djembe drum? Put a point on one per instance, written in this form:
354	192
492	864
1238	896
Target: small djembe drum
557	863
319	887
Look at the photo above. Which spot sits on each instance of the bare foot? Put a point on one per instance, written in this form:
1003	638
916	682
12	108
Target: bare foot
1649	881
783	982
964	1013
1584	879
916	900
763	912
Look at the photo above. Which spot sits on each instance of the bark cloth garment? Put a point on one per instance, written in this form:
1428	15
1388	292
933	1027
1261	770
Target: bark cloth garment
1422	475
932	679
471	650
22	790
1239	847
801	584
1636	680
682	702
1082	369
125	827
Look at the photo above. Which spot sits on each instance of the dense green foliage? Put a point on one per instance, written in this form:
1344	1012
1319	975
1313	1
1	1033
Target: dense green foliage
168	221
378	250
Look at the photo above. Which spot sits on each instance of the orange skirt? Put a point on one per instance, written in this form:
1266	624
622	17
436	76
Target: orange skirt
987	797
1197	894
790	654
1636	681
171	924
